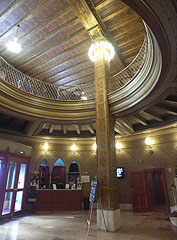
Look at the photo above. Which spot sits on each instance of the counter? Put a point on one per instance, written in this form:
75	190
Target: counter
60	199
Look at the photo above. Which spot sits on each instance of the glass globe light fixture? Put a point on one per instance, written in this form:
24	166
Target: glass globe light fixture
102	47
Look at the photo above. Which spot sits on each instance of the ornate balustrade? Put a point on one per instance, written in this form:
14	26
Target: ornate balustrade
125	76
44	89
70	93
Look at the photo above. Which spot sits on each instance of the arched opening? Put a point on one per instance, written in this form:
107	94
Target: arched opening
44	174
73	175
58	174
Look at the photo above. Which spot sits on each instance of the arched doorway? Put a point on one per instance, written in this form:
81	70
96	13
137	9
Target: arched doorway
58	174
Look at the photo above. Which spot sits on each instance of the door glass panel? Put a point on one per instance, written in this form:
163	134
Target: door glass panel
18	201
11	175
7	203
21	179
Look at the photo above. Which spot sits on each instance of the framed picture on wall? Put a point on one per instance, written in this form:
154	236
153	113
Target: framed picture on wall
79	185
85	179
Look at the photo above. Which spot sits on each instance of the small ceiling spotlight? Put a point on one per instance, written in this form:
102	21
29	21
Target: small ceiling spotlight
102	47
118	145
74	148
95	146
46	146
14	46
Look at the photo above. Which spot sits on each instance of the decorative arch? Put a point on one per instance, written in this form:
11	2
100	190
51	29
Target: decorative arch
59	162
44	163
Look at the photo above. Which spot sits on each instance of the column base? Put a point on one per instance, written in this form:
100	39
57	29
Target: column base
112	219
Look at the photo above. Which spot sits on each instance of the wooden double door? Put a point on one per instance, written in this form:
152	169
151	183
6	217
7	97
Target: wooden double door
148	190
13	183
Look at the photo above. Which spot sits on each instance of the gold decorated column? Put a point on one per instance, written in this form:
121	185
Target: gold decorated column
107	181
106	155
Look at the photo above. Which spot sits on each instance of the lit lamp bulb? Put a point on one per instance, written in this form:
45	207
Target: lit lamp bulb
118	145
95	146
83	97
148	141
74	148
46	146
13	46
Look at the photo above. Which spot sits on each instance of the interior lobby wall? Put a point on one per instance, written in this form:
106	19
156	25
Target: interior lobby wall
84	157
136	156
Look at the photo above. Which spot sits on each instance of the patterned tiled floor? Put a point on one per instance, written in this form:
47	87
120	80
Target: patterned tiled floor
71	225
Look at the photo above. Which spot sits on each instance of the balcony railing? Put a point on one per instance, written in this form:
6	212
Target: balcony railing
44	89
70	93
125	76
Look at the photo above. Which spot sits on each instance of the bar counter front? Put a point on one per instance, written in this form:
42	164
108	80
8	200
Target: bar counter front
60	199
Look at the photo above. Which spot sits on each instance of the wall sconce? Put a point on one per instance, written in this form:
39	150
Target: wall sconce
118	145
149	142
46	146
74	148
95	146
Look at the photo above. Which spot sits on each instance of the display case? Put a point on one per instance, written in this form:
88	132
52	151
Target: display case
44	177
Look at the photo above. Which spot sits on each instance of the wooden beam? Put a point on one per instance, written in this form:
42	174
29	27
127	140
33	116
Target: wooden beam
170	103
151	115
40	127
127	123
122	128
102	4
89	127
77	127
118	130
11	122
52	126
34	128
95	27
139	119
166	109
65	128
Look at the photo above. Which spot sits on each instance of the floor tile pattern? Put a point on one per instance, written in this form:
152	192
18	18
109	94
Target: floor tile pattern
71	225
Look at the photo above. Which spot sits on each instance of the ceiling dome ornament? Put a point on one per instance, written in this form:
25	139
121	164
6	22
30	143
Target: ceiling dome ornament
12	45
102	47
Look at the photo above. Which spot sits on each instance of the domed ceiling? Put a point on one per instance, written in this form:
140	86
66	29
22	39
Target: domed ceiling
55	43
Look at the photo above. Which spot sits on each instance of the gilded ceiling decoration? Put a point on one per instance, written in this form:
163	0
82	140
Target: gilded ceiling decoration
55	36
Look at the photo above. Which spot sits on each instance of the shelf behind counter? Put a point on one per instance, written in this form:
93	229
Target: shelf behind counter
60	199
